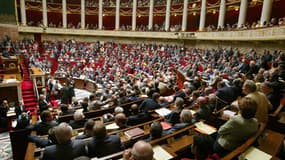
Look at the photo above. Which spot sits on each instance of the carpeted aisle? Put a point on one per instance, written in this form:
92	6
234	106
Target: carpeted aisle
28	94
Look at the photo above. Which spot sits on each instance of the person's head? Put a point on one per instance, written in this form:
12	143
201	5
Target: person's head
156	129
247	107
142	151
266	87
46	116
248	87
121	119
5	103
200	146
24	115
78	115
64	107
99	131
179	102
63	133
155	96
88	127
51	135
119	110
186	116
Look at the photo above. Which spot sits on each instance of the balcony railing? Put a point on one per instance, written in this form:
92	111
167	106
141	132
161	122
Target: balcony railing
261	34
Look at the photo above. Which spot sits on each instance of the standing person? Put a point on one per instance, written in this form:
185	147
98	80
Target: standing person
4	107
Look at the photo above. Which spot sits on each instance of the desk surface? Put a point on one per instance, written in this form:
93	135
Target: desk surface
37	71
9	76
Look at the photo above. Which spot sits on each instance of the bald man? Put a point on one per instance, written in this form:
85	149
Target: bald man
121	120
141	151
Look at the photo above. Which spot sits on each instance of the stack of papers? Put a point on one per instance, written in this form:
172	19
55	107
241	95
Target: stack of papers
112	126
253	153
160	153
163	111
205	128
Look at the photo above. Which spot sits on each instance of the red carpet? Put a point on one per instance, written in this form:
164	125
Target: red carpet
28	94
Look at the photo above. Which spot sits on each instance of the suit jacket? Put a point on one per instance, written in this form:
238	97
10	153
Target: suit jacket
18	110
263	106
77	124
43	105
235	131
103	147
177	127
148	104
66	151
43	127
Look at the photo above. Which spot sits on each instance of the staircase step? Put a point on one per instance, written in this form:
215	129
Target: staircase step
30	104
29	100
28	96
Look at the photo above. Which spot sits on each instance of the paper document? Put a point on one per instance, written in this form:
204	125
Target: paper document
205	128
229	113
112	126
160	153
163	111
253	153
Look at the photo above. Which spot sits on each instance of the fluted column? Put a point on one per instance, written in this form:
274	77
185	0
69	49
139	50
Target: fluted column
64	19
82	14
45	20
117	25
150	16
23	12
202	15
242	12
167	15
185	14
100	15
134	17
222	13
266	12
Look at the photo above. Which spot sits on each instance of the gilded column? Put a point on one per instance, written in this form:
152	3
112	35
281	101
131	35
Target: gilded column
117	25
150	16
100	15
242	12
23	12
134	16
167	15
202	15
266	12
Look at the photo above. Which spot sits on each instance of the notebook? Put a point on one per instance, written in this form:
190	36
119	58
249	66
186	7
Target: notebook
134	133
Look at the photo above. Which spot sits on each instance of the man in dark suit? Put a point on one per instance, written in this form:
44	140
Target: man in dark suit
150	103
102	144
4	107
19	109
185	120
43	104
66	148
46	123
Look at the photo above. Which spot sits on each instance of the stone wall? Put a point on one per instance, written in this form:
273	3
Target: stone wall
10	30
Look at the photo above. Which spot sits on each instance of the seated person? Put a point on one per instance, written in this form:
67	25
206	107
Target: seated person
140	151
23	122
65	110
40	142
185	120
204	112
121	120
78	120
66	148
156	131
238	128
200	148
150	103
84	104
111	117
88	129
43	104
173	117
19	108
102	144
45	124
